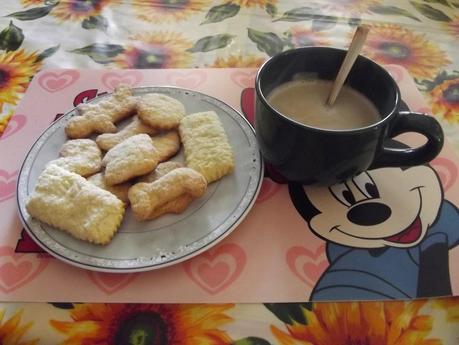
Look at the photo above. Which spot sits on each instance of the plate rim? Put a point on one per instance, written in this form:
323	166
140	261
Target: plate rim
150	266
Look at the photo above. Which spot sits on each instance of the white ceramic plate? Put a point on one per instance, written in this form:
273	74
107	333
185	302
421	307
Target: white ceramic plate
141	246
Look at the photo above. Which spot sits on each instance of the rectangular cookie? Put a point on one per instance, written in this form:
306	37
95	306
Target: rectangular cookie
67	201
206	146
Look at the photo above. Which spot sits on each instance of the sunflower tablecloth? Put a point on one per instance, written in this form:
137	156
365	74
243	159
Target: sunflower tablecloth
420	35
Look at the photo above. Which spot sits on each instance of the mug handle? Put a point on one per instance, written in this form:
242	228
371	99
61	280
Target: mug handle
407	121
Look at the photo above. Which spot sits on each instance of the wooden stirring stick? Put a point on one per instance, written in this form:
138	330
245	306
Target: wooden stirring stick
353	52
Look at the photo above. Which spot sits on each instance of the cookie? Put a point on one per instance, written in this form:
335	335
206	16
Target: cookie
108	140
167	145
160	111
135	156
101	117
81	156
161	170
149	200
206	146
69	202
119	190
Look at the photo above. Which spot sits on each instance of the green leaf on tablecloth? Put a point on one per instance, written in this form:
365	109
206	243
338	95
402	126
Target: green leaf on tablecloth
33	13
209	43
99	52
289	312
63	305
267	42
95	22
430	12
298	14
392	10
51	2
47	53
428	85
218	13
354	21
455	4
11	37
442	2
320	23
271	9
251	341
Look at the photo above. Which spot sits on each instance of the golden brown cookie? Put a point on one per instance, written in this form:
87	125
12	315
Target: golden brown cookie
206	146
119	190
160	111
101	117
161	170
135	156
69	202
108	140
167	145
148	200
81	156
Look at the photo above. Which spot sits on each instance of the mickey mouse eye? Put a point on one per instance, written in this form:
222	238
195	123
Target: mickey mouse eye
343	194
366	185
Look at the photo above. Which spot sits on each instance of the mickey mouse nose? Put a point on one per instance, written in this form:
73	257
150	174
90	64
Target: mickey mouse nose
369	213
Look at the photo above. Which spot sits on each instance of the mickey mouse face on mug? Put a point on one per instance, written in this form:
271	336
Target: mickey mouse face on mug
382	207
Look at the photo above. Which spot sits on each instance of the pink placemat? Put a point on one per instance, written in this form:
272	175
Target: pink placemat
273	256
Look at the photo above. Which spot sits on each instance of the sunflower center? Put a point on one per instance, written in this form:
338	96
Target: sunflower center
84	5
175	4
395	50
4	77
451	94
156	57
144	328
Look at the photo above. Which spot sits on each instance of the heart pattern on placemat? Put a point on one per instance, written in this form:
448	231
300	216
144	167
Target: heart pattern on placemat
7	184
56	81
308	265
446	170
244	79
268	189
110	283
130	78
217	268
14	125
188	80
17	270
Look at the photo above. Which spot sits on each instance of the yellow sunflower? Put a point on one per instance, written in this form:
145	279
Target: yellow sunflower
302	36
445	100
254	3
164	11
106	324
27	3
12	332
4	119
238	61
77	10
370	323
393	44
16	70
156	50
450	305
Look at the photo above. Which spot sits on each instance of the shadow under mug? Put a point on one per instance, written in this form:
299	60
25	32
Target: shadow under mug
313	155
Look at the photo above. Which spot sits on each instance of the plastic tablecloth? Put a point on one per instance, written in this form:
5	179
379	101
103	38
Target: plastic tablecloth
420	35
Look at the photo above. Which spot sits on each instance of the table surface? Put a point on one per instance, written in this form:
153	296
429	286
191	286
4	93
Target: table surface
421	35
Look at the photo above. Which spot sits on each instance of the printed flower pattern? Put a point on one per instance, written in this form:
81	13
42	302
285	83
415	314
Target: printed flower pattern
164	11
234	61
301	36
13	331
445	100
77	10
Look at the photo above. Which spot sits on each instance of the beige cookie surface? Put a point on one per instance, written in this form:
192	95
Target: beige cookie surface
101	117
161	170
147	198
81	156
107	141
167	145
206	145
135	156
119	190
69	202
160	111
